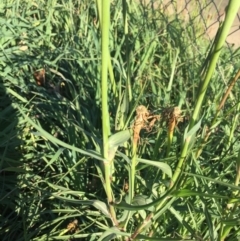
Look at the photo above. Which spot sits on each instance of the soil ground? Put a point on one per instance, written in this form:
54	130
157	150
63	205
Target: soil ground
217	12
209	14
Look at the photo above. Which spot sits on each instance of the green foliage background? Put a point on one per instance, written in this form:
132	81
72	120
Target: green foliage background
51	137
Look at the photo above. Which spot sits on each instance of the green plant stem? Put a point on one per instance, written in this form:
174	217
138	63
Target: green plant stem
218	44
128	50
233	82
133	172
110	68
169	142
104	87
105	114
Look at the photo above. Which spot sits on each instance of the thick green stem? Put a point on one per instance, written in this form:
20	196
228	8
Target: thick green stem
105	10
218	45
133	172
169	142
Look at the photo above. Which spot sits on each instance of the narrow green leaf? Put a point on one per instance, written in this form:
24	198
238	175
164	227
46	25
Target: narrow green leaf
209	222
143	237
126	206
96	203
54	140
115	141
54	158
119	138
188	193
162	166
231	222
193	130
101	206
139	200
14	169
10	91
214	181
111	233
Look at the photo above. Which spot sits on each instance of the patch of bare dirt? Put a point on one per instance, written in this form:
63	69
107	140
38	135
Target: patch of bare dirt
207	14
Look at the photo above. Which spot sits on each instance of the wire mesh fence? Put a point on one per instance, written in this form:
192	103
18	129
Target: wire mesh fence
204	16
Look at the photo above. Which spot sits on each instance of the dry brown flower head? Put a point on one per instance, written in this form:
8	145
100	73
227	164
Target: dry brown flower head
172	116
143	120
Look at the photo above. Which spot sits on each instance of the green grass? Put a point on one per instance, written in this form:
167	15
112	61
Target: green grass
72	164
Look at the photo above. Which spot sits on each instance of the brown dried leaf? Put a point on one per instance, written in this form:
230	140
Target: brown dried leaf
72	226
39	77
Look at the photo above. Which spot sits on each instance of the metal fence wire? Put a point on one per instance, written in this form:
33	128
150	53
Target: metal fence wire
206	15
